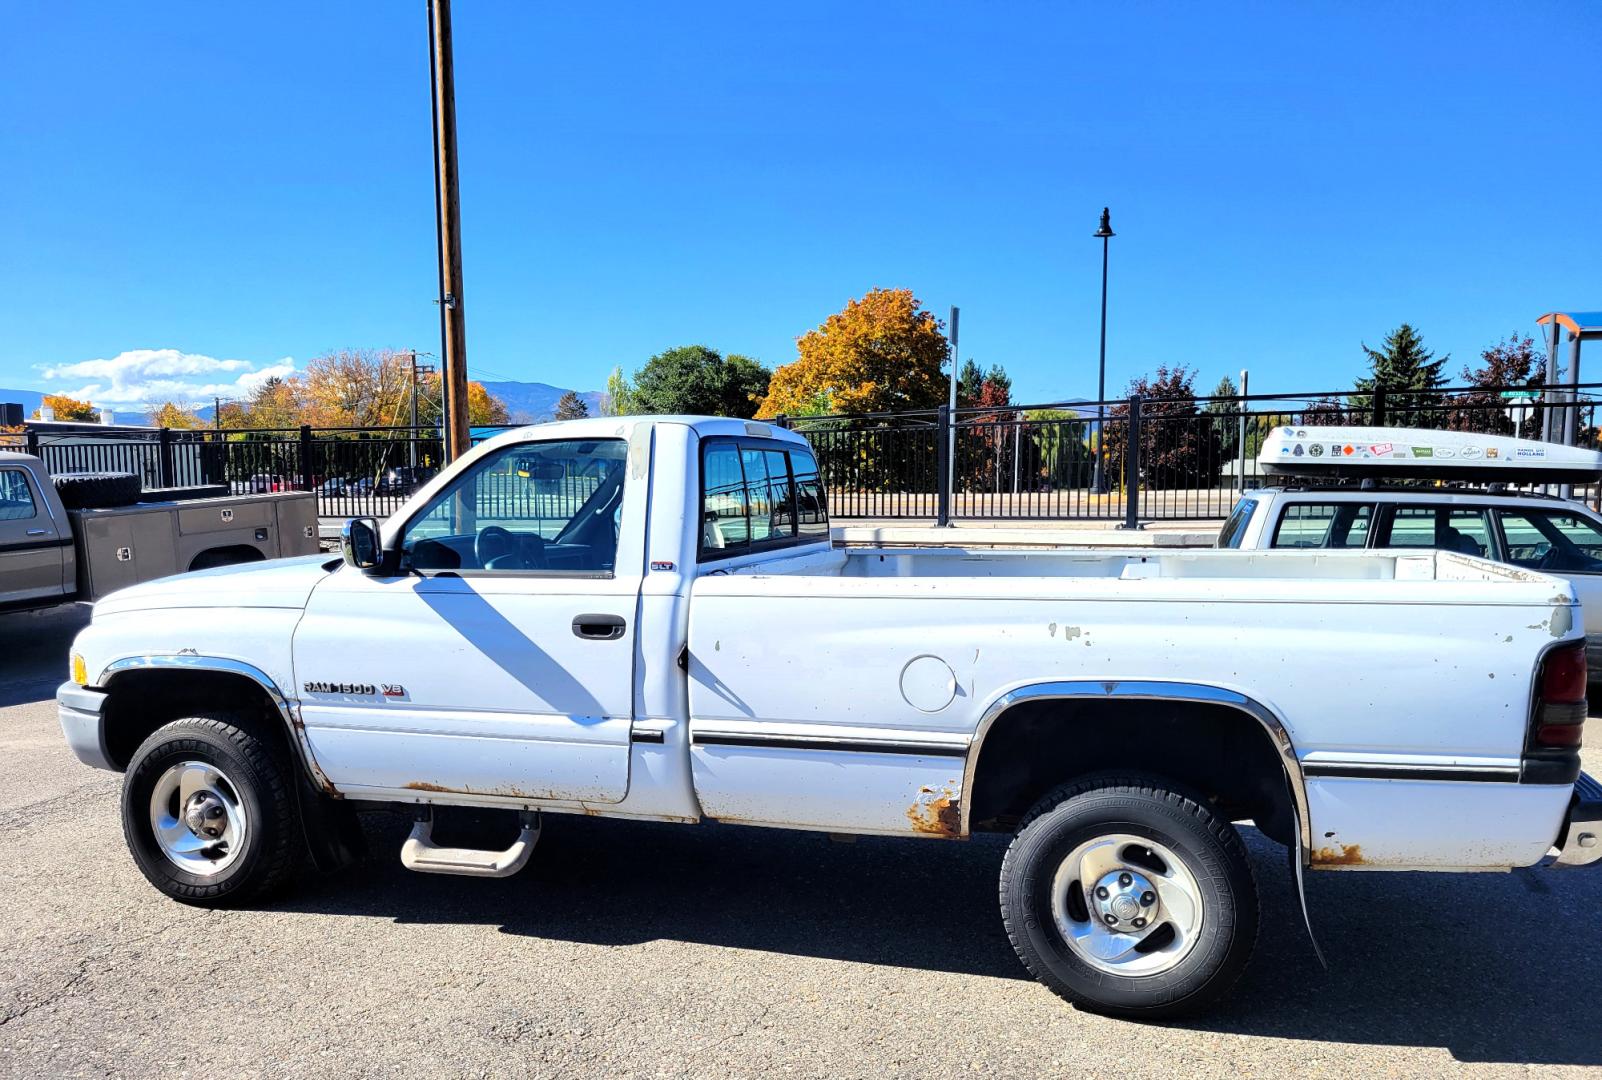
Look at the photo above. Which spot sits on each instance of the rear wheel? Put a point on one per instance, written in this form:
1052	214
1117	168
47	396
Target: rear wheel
209	814
1129	897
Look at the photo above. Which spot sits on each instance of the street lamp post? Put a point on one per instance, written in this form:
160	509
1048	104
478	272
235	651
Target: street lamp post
1100	479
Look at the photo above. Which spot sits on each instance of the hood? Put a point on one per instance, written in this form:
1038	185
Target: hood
277	583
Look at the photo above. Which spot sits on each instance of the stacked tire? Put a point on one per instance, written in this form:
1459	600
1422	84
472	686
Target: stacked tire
96	490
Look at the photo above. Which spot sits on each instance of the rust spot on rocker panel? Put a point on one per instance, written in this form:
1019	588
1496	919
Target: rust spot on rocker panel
936	813
1339	855
503	792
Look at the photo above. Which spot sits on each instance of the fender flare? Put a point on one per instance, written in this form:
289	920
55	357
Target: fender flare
1149	690
1158	690
227	666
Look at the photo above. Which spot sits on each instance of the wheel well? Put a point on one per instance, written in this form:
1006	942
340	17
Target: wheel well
226	556
1220	751
140	701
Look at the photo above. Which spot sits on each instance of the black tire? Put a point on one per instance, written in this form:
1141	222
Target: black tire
96	490
1208	846
261	780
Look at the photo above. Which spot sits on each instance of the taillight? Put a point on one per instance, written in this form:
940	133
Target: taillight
1561	708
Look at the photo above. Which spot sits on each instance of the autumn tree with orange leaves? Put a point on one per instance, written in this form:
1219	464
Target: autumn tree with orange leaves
67	408
883	353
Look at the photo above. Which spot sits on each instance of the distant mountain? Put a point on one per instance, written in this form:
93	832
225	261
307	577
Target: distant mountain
28	399
529	402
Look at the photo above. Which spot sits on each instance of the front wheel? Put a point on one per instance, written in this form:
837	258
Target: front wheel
1128	897
209	814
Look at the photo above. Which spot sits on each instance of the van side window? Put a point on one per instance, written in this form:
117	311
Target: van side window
1551	540
1324	525
756	496
1462	529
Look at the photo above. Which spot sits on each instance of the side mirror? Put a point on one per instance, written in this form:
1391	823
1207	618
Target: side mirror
359	542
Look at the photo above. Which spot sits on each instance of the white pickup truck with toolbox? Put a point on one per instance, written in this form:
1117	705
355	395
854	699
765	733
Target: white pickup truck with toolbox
645	618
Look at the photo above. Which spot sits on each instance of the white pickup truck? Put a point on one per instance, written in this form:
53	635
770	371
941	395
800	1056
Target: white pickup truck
645	618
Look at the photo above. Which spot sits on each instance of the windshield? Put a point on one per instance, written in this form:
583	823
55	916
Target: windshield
1234	530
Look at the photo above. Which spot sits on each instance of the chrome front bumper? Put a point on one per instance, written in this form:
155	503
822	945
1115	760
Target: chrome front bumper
79	709
1581	842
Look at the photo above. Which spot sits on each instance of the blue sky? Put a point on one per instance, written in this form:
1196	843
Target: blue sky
196	194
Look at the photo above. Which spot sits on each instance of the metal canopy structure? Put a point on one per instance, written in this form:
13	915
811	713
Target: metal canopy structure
1580	326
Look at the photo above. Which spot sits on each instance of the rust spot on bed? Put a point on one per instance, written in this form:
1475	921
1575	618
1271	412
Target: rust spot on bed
423	785
936	813
1339	855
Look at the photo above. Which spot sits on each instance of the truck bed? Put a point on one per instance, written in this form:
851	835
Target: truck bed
1342	650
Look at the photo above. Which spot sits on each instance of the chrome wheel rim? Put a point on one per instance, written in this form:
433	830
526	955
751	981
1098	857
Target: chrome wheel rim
1127	905
197	818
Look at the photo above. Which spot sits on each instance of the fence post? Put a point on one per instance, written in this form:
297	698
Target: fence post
305	457
782	421
1379	406
1132	466
943	466
33	441
164	462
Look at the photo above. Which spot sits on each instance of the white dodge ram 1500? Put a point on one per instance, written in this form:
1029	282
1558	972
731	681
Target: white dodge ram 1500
645	618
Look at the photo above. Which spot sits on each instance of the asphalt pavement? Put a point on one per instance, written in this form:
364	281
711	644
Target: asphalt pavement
658	950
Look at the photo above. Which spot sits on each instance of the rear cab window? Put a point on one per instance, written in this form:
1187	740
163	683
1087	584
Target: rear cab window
758	495
1324	525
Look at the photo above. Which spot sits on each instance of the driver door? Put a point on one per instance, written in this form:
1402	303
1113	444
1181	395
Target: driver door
498	658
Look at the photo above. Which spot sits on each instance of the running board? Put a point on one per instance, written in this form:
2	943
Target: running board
419	852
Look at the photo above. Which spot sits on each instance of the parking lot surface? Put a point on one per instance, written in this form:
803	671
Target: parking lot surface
658	950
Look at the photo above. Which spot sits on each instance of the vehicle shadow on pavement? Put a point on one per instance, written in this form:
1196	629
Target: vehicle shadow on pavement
1491	967
33	651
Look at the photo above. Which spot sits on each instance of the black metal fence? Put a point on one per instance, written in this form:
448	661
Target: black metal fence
1127	460
1132	460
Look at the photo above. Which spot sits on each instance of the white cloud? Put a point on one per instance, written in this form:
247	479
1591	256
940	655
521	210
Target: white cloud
144	377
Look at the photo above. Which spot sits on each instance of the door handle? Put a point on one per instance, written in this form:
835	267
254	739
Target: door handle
599	627
38	532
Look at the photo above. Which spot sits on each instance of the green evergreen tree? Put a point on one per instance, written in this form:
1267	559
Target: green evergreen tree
1409	374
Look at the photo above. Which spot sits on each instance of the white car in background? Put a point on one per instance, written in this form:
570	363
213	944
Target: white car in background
1320	508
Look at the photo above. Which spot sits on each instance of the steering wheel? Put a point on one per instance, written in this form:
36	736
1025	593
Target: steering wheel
493	542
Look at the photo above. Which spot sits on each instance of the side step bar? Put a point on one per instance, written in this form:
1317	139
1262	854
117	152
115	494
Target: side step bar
420	853
1581	842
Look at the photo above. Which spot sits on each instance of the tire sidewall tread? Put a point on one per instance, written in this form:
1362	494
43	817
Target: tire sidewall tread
1179	819
262	778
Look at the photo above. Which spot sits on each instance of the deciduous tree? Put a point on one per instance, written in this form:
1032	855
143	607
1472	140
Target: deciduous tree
67	408
1178	447
173	415
700	380
1517	363
619	397
883	353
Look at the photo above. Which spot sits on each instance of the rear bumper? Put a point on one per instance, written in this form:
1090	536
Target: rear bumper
80	712
1581	842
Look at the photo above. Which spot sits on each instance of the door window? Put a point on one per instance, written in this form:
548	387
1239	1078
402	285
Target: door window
1552	540
1464	530
16	500
532	507
1324	525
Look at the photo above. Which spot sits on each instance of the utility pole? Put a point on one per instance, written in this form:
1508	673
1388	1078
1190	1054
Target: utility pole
447	205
